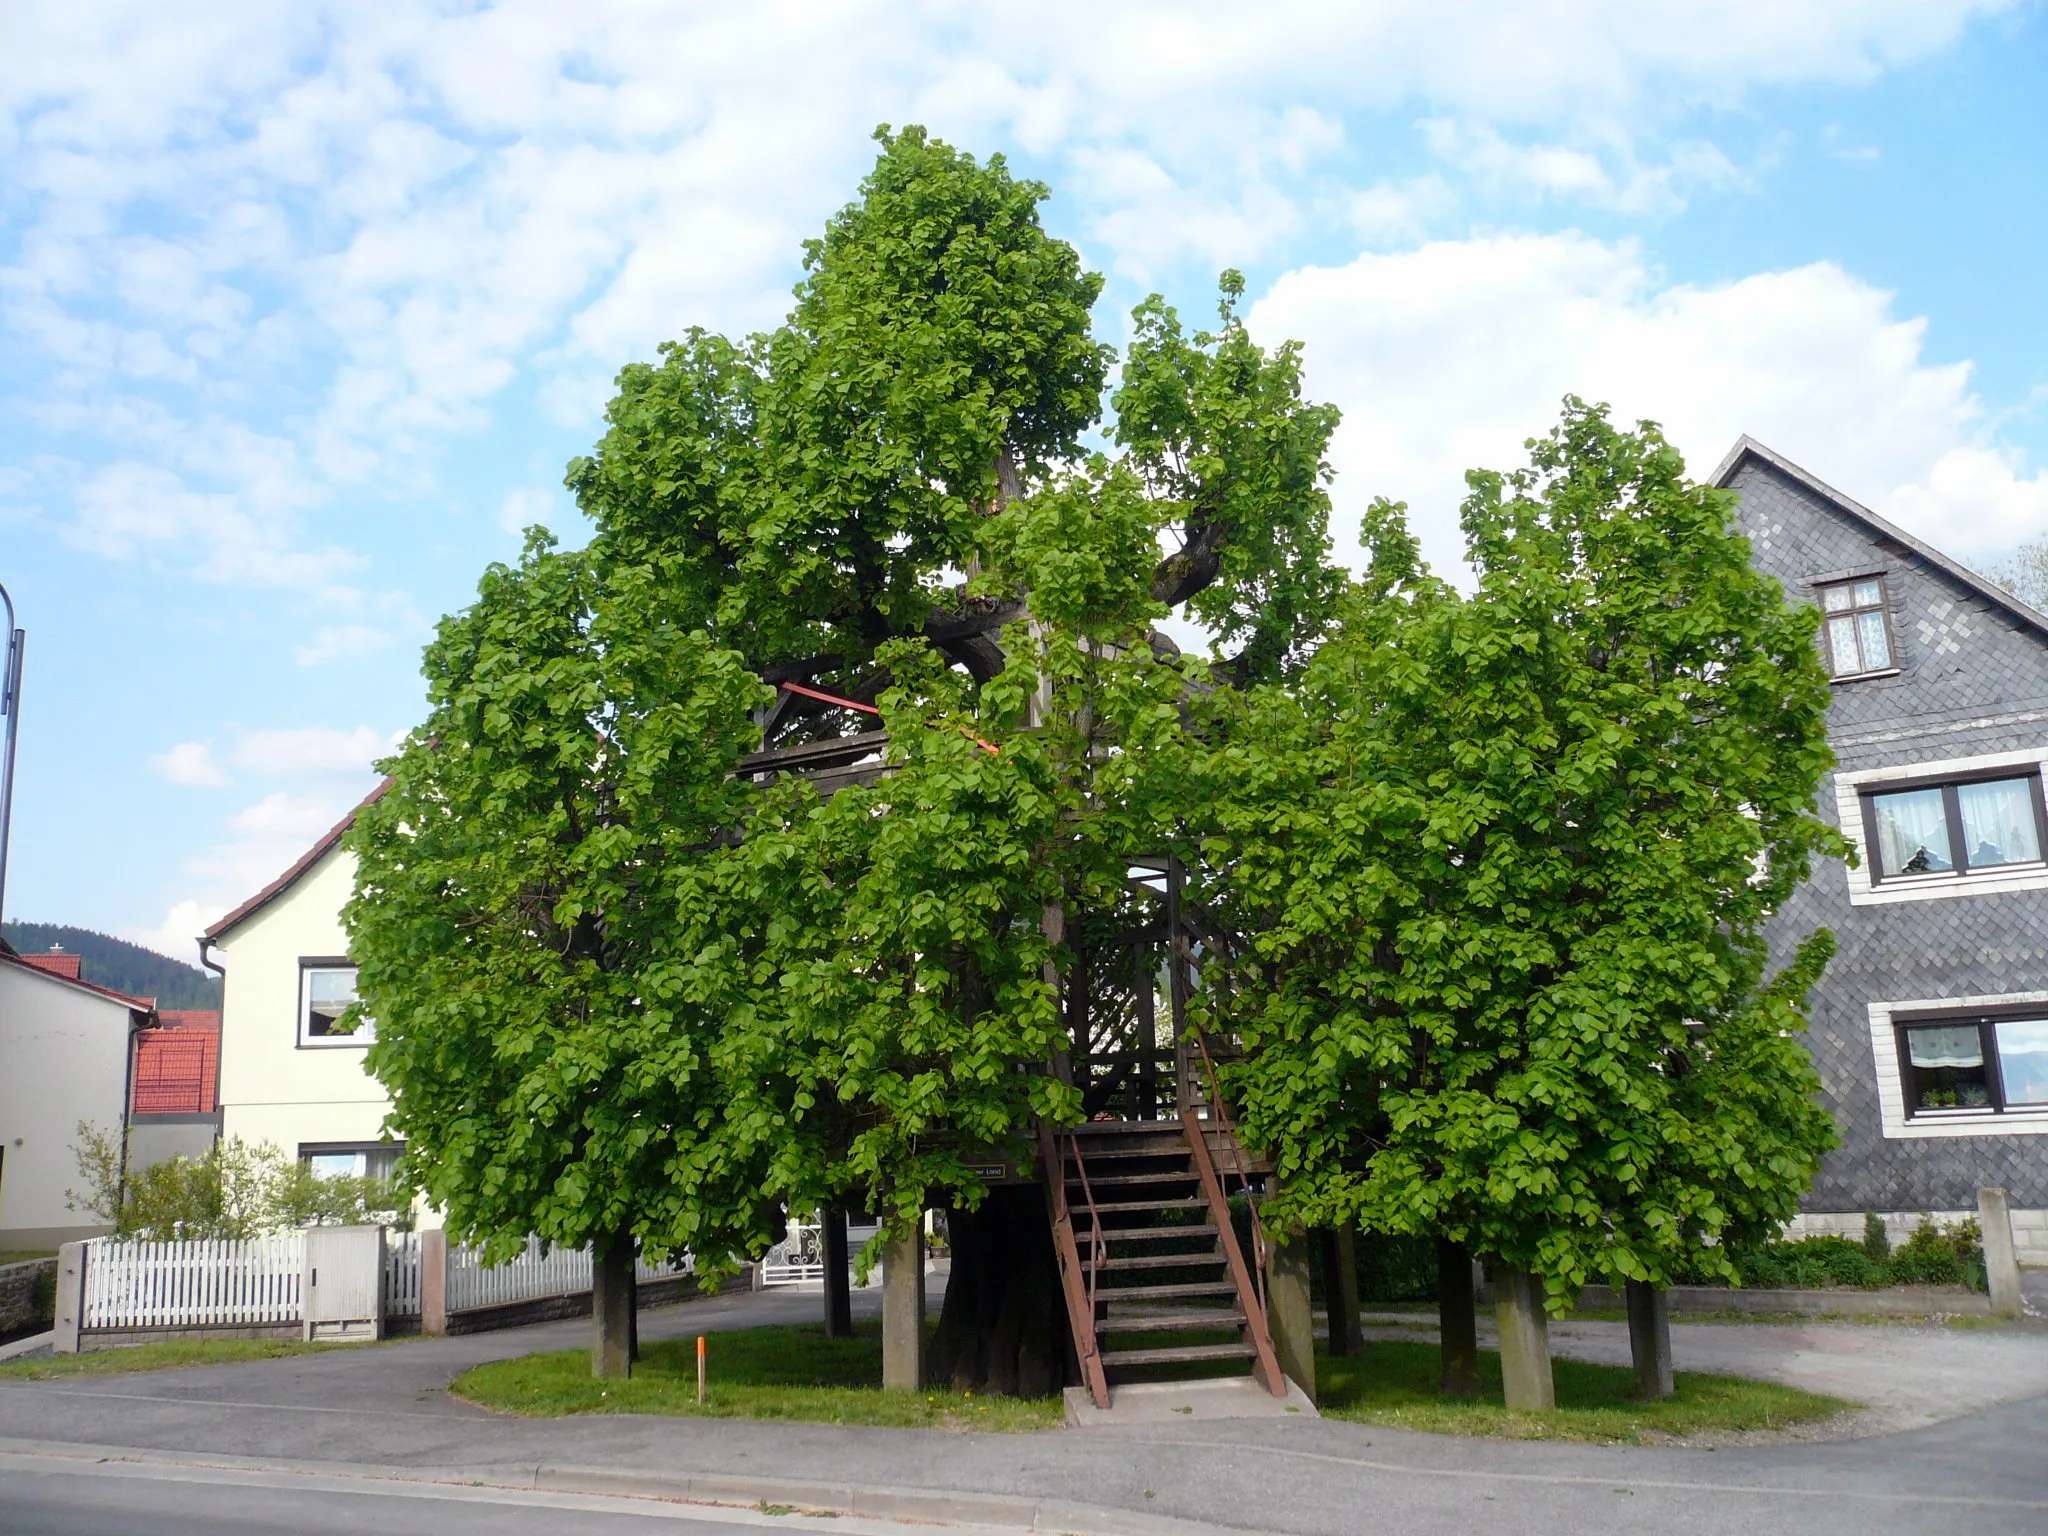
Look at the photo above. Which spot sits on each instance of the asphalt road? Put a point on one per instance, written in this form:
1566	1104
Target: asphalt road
50	1496
1977	1468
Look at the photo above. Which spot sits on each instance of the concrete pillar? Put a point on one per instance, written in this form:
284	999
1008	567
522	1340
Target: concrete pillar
1292	1321
434	1282
1457	1320
1524	1339
838	1283
1340	1290
70	1298
611	1311
1649	1339
2001	1258
903	1313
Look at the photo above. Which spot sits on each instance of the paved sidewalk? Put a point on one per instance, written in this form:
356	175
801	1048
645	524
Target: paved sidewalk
387	1406
1906	1375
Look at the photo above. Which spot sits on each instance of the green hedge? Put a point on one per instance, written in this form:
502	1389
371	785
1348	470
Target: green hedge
1933	1255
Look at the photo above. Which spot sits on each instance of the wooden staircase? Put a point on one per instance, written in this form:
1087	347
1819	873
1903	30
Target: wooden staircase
1149	1263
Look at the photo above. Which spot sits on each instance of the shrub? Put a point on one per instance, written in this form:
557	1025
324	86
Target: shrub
1877	1242
1938	1255
233	1191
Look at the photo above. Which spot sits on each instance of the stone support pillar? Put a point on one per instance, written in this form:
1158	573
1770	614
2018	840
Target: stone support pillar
903	1313
1649	1340
70	1298
2001	1258
434	1282
1290	1317
1524	1339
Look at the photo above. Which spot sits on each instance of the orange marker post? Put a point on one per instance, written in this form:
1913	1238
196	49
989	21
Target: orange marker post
700	1370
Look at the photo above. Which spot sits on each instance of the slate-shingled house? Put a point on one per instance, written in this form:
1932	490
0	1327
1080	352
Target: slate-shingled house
1930	1028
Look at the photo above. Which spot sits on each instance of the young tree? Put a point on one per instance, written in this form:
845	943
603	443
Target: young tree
515	923
1504	862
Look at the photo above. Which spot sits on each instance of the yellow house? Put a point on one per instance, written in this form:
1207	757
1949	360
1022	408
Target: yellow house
287	1076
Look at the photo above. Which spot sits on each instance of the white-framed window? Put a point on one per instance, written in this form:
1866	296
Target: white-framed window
1959	827
1857	627
351	1159
327	989
1962	1066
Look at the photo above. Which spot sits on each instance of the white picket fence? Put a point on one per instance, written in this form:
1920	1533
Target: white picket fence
195	1283
223	1283
401	1274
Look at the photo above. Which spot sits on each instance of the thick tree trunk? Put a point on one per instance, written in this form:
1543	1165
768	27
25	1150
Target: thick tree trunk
838	1283
1003	1329
613	1309
1457	1320
1340	1290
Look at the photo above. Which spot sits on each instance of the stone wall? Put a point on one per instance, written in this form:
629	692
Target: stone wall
27	1292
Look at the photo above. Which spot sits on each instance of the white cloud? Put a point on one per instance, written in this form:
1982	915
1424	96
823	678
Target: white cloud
189	762
526	506
335	642
1448	357
315	751
177	933
388	212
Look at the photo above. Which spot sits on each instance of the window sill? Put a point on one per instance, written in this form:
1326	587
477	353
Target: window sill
2032	1121
1981	882
1867	677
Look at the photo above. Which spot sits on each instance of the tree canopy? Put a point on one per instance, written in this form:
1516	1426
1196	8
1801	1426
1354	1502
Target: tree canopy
621	987
1502	865
1488	872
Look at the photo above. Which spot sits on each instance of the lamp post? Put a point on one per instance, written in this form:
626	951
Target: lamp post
10	713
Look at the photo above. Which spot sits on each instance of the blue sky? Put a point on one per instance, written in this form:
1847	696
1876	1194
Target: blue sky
303	308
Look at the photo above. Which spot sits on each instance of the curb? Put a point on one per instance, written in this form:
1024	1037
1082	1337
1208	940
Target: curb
1020	1513
27	1346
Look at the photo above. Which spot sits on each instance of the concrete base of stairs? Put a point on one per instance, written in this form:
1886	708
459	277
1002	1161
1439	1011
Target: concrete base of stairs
1168	1402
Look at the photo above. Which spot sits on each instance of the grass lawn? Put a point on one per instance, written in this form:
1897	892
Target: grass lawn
791	1372
22	1255
798	1373
1394	1383
171	1356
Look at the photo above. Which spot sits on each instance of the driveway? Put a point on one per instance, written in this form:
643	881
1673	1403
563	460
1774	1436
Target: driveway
1906	1376
387	1408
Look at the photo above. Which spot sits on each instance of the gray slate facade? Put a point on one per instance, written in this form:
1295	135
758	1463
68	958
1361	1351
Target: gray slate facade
1970	681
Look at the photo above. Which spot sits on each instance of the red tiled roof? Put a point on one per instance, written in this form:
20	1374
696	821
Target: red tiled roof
189	1018
177	1071
58	962
306	861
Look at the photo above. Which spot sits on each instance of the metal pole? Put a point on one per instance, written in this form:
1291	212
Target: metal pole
10	708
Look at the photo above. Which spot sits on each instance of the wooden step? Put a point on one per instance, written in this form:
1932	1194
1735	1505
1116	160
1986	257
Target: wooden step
1175	1203
1179	1291
1154	1261
1144	1234
1171	1322
1175	1354
1099	1180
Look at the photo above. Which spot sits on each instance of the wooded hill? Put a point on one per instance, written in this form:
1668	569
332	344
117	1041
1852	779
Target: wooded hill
110	962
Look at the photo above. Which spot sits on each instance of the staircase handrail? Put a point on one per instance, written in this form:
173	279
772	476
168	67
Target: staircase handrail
1080	1304
1253	1302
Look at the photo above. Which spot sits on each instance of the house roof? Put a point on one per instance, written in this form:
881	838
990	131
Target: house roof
57	961
290	877
177	1068
1747	447
68	976
189	1018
